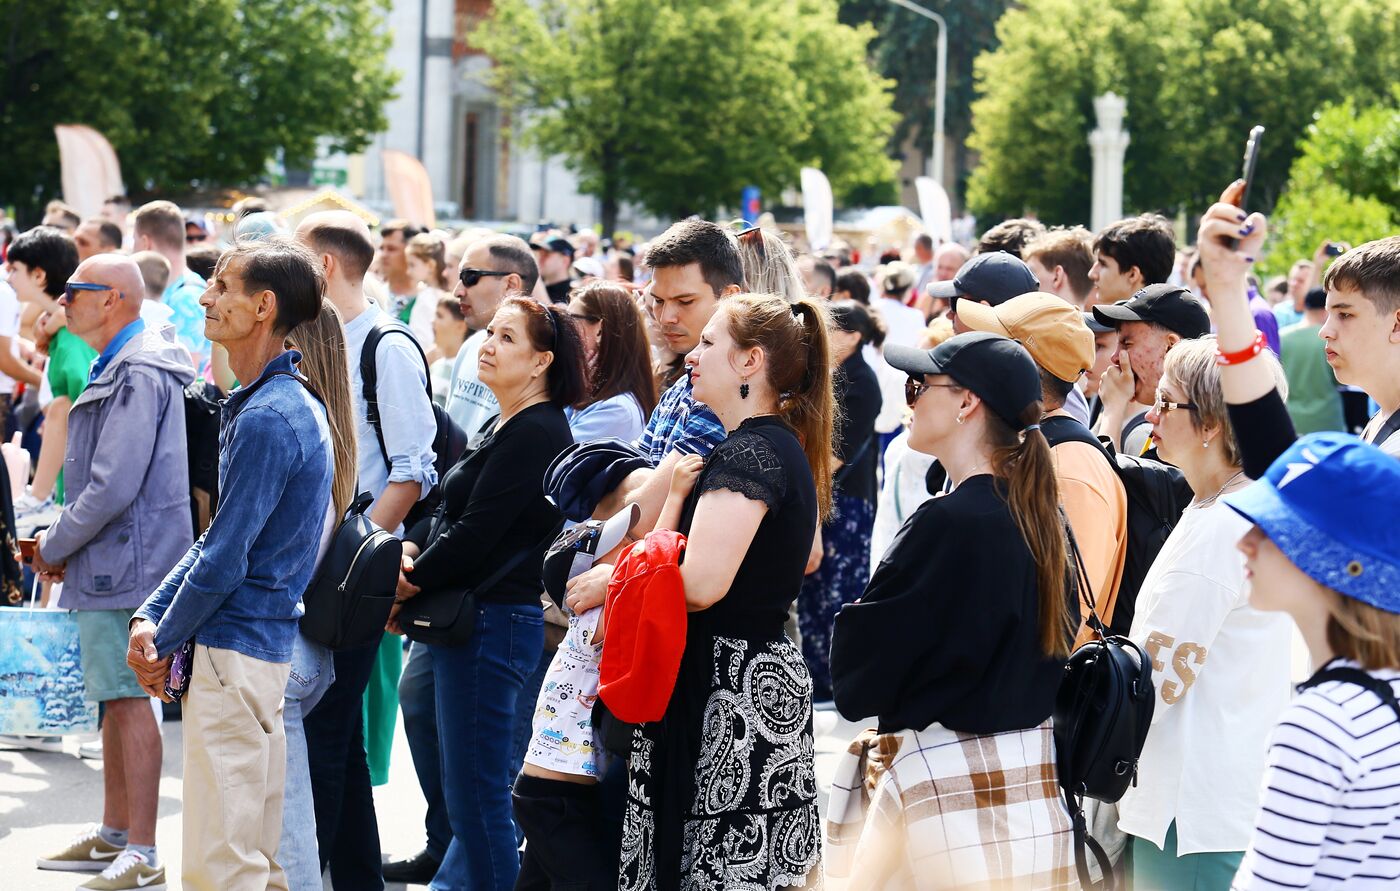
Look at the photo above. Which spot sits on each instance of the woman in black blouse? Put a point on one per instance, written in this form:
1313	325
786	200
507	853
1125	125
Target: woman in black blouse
960	640
845	566
493	507
722	790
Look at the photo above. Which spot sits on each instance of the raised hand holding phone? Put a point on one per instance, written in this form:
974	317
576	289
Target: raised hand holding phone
1229	241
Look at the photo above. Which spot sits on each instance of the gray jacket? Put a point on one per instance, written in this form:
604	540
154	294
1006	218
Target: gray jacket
126	520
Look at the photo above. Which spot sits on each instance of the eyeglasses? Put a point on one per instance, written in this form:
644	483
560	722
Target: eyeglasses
914	388
1161	406
582	317
71	290
470	276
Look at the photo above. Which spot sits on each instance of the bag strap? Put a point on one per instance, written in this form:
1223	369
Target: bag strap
1083	839
1391	424
504	569
1086	590
1348	675
853	461
369	373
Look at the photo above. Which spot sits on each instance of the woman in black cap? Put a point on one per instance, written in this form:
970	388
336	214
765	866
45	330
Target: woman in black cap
958	646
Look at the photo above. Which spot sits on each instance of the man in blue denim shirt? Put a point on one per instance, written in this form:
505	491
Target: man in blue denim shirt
237	591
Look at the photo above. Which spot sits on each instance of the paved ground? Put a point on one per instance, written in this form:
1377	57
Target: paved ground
47	797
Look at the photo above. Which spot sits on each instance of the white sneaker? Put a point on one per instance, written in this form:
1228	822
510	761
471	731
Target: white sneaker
91	750
31	514
33	743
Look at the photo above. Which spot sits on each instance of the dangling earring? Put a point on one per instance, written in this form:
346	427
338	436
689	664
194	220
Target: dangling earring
1205	443
744	390
960	419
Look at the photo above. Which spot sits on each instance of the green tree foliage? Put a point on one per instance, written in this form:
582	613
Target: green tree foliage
679	104
907	52
199	92
1197	75
1344	186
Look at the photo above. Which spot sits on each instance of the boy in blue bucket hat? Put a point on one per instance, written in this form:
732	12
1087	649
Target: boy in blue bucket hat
1325	548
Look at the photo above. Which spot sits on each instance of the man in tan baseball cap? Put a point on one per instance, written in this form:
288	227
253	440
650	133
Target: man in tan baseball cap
1059	341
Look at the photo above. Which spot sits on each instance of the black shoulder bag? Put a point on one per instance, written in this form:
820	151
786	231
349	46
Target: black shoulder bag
1102	713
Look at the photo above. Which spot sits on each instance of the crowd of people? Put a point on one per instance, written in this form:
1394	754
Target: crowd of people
658	505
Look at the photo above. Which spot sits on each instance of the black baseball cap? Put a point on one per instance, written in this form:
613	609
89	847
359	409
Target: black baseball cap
996	368
995	277
1171	306
558	244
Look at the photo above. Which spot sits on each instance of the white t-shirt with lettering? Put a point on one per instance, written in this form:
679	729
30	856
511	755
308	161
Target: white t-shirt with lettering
470	403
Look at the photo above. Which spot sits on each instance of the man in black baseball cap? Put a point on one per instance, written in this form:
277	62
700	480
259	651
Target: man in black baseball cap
555	255
1149	324
991	278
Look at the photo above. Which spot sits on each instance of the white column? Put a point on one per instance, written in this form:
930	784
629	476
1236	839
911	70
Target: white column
1108	143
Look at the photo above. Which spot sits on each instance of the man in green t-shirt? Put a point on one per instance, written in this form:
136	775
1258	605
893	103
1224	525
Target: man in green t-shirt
1313	401
69	361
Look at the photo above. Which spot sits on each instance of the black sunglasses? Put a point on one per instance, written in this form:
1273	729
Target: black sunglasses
914	388
470	277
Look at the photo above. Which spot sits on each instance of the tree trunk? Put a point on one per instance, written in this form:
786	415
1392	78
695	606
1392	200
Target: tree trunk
610	209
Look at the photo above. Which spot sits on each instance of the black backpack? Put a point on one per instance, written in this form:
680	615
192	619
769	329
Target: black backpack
349	598
202	449
1157	494
1103	711
449	442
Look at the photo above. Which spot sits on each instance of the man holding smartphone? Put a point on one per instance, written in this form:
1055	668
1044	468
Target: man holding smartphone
125	523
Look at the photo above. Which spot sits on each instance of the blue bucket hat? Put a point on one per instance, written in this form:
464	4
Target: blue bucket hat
1329	504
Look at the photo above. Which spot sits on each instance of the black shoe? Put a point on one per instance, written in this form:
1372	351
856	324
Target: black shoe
416	870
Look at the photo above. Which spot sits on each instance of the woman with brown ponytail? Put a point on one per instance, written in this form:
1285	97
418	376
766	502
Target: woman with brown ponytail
722	791
958	646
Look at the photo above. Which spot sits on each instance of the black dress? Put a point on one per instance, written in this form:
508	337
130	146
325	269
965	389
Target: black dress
722	791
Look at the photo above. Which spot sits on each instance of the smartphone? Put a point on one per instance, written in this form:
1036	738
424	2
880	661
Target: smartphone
1251	161
181	663
26	549
1334	250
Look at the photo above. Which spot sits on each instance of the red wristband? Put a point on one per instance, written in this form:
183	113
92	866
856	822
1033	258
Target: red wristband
1244	355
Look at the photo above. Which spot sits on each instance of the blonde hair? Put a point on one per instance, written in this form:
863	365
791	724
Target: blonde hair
1364	633
321	342
769	266
1192	365
793	337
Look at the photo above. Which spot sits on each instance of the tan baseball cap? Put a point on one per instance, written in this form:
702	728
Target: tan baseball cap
1050	329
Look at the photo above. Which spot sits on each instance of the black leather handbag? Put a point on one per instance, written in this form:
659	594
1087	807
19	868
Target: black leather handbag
444	616
1103	710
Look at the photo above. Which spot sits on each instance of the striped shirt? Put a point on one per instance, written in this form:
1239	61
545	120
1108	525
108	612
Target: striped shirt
1329	812
680	424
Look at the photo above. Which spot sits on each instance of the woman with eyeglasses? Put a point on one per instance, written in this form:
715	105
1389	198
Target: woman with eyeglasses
493	508
621	389
1221	667
957	647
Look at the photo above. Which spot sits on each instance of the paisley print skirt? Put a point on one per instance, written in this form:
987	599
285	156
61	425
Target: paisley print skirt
722	792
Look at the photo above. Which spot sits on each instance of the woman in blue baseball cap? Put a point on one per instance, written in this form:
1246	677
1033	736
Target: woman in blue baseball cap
1325	548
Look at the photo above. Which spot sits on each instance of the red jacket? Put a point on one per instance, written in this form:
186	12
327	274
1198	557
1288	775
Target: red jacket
644	620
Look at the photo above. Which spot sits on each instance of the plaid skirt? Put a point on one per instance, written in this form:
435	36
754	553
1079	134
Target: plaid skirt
933	808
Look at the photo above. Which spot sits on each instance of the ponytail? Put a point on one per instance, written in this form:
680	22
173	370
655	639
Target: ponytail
1024	461
793	337
811	408
321	342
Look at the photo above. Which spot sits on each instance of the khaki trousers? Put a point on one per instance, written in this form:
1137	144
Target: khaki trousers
235	772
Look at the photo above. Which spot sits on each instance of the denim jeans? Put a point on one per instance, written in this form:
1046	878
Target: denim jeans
478	687
347	832
419	704
313	671
525	711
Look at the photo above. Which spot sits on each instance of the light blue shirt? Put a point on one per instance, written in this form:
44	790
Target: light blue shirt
182	296
617	416
405	412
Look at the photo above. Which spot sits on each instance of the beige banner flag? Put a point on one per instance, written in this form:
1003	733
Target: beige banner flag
409	188
91	173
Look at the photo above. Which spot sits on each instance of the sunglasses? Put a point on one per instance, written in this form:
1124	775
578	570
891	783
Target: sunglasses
914	388
70	290
470	276
195	239
1161	406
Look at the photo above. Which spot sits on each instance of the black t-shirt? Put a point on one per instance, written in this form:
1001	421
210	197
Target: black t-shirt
947	632
559	291
761	460
858	398
493	506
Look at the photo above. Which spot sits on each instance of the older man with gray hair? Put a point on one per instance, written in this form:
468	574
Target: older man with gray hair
125	524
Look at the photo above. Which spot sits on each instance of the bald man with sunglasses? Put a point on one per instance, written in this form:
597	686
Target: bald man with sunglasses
125	523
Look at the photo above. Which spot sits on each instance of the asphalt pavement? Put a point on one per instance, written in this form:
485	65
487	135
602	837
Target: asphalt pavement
47	798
